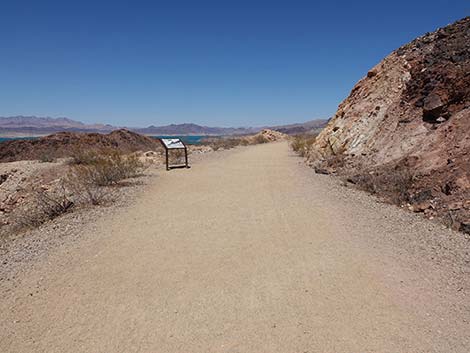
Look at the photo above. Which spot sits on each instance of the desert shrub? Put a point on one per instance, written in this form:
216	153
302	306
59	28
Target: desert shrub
54	203
297	145
258	139
244	142
84	156
84	187
106	167
47	205
225	143
230	142
450	219
301	144
89	181
394	184
46	157
177	155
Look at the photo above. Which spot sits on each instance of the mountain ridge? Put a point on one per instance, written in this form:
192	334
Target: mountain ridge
17	126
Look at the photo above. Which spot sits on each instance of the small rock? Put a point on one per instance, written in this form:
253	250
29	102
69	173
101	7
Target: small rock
324	170
3	178
465	227
420	207
455	206
372	73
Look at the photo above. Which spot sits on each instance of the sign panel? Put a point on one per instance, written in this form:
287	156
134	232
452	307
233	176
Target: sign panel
172	143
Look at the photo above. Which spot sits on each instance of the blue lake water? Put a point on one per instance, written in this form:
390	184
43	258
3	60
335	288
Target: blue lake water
189	140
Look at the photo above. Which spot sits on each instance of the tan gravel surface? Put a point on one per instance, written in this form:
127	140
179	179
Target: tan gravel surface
248	251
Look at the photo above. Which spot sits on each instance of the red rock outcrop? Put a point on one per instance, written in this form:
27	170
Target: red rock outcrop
411	110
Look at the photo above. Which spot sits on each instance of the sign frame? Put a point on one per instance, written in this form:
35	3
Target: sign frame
178	144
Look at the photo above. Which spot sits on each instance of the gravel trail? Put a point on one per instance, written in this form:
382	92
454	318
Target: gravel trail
248	251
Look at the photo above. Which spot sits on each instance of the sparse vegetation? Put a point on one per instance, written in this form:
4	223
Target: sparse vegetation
226	143
177	156
393	184
54	203
90	180
84	189
46	157
301	144
83	156
218	143
258	139
48	204
105	167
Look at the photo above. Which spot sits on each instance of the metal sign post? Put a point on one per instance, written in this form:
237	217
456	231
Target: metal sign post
174	144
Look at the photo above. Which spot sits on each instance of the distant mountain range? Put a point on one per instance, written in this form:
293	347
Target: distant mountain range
17	126
308	127
194	129
33	122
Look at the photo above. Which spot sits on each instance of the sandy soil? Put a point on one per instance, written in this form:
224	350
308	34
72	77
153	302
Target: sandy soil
248	251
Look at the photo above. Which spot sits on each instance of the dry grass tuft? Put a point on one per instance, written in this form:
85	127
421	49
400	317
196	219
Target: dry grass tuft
259	139
225	143
105	167
47	205
90	180
393	184
301	144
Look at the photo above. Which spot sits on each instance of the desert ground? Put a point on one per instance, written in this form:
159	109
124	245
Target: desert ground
247	251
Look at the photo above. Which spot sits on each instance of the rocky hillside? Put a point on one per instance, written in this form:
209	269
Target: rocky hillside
411	112
63	144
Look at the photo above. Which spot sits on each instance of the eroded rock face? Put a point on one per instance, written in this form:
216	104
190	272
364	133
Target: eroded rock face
412	109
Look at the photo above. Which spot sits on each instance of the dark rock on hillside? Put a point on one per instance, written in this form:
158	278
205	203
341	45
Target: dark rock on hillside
64	144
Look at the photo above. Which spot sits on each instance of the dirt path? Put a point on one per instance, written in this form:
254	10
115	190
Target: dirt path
247	252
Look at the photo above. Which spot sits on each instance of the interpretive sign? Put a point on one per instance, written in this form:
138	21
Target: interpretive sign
175	144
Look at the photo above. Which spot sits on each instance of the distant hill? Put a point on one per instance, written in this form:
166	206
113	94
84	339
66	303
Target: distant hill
65	144
14	126
17	126
31	123
309	127
194	129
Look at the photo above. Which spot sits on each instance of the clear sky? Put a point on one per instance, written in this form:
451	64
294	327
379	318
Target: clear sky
224	63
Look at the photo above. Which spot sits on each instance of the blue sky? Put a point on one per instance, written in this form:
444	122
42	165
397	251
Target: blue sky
224	63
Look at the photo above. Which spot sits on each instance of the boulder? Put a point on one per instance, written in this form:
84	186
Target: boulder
465	227
433	108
